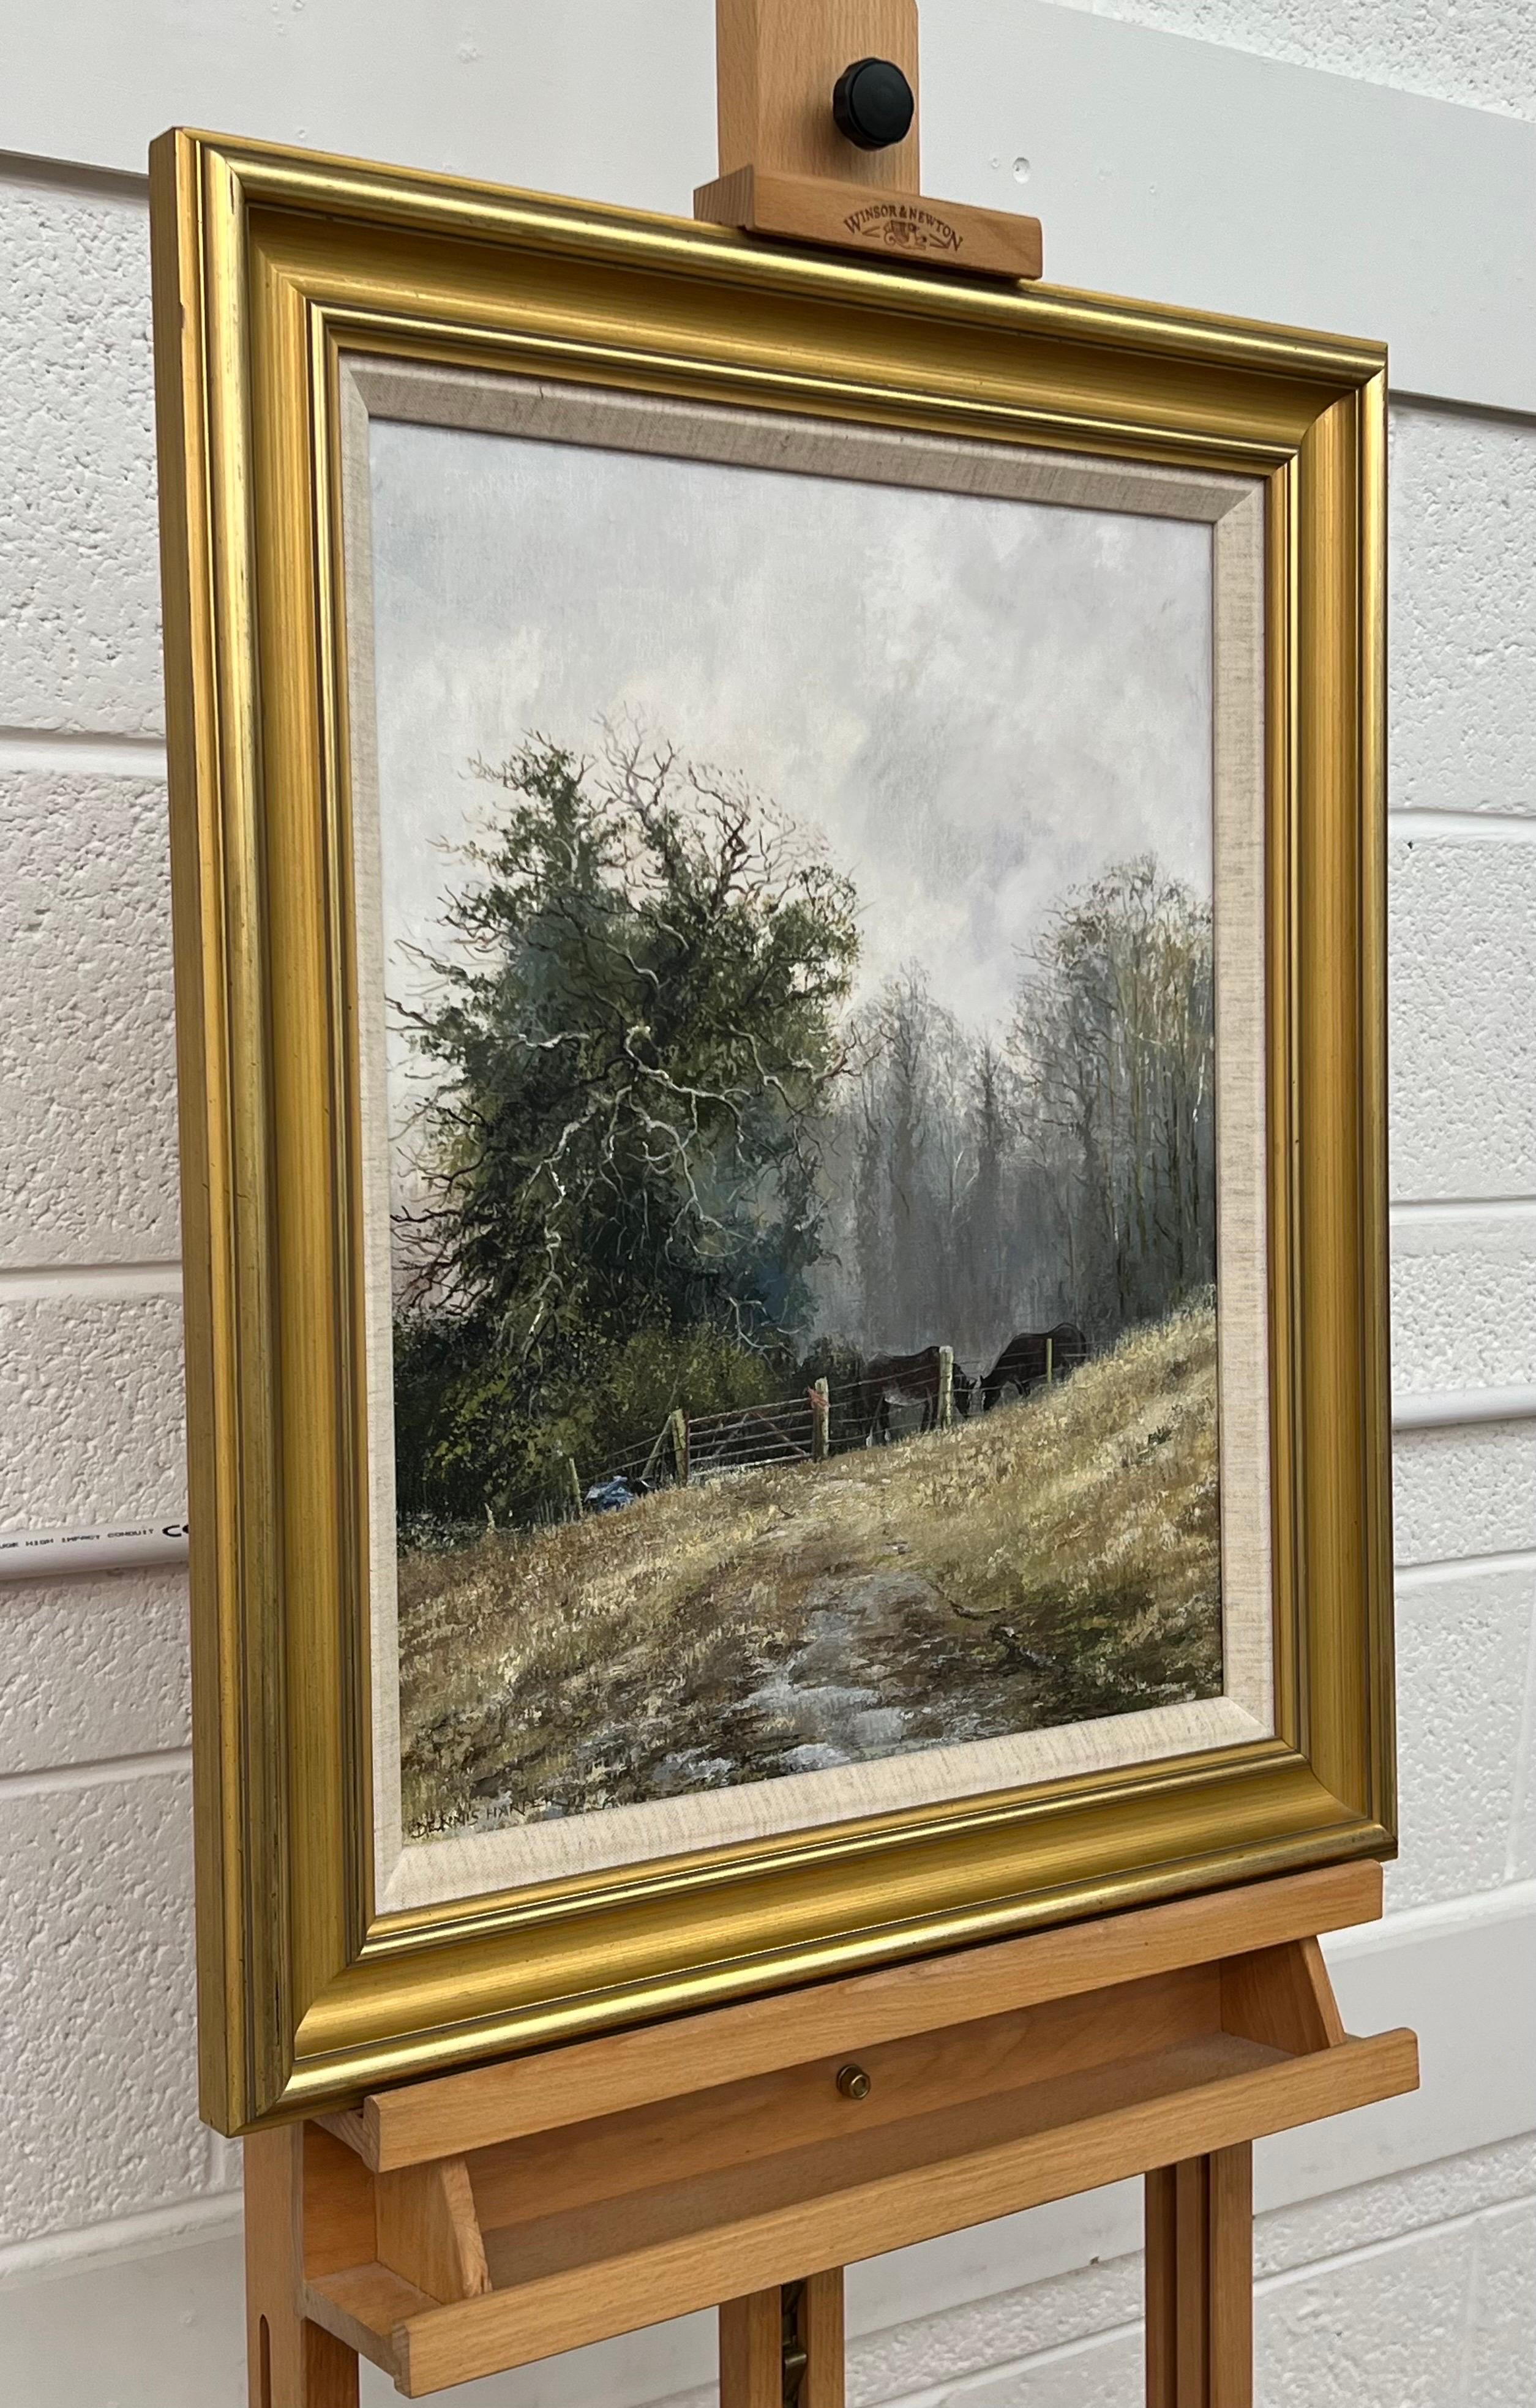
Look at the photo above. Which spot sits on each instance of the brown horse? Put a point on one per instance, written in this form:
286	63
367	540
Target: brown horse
1024	1362
891	1379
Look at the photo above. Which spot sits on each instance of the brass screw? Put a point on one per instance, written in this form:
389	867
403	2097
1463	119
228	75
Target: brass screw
854	2081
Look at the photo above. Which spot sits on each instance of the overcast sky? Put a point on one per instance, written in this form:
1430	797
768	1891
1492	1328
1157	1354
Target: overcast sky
978	703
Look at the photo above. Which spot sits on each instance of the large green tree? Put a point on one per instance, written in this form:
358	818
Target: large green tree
631	1034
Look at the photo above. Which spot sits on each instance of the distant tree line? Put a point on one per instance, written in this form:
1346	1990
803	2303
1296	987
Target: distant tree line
1062	1167
659	1159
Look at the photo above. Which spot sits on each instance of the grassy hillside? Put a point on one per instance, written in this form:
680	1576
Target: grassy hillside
1054	1561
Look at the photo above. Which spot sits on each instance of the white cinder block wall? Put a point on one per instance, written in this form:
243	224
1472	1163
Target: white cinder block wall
1397	2248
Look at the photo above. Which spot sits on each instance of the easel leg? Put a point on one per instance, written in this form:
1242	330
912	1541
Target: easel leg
292	2364
1199	2282
783	2348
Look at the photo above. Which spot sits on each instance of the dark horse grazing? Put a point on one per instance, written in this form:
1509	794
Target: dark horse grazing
890	1378
1022	1364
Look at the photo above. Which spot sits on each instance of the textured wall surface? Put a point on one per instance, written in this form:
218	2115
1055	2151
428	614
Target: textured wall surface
1397	2249
1481	52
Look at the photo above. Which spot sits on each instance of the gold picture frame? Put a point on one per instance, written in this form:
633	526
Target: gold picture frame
270	266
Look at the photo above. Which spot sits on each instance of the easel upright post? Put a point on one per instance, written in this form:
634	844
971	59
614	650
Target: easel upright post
783	2348
291	2363
787	167
1199	2282
776	63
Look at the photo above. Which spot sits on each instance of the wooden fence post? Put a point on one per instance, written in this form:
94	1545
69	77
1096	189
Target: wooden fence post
573	1483
676	1423
821	1421
946	1386
654	1458
1049	1366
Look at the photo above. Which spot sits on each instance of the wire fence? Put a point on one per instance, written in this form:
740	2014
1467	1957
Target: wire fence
825	1419
889	1400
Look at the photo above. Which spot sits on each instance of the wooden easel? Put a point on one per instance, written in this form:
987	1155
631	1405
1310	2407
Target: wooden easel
785	169
739	2158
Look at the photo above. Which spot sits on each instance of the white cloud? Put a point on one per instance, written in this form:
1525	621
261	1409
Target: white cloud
980	703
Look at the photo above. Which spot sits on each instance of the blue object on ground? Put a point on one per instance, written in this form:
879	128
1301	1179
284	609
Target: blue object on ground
607	1496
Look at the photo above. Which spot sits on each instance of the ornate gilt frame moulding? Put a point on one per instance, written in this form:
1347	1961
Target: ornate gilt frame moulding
276	273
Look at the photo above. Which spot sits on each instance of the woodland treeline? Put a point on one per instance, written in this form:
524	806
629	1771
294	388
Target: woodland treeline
1060	1167
661	1159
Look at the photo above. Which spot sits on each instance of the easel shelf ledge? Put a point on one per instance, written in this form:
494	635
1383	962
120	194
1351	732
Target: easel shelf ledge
1170	2037
585	2079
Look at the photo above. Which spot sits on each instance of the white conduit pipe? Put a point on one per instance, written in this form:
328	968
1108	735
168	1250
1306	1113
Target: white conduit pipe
44	1554
1444	1412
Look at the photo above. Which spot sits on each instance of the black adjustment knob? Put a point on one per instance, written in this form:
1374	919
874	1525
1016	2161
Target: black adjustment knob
873	104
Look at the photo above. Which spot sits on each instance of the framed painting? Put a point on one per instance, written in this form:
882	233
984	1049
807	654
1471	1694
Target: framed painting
778	889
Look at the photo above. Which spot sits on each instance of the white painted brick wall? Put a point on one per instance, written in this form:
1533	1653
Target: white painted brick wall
1481	52
93	1670
1465	1492
1463	999
1463	1651
87	1173
1397	2249
79	600
1463	1298
1463	657
90	1403
95	1943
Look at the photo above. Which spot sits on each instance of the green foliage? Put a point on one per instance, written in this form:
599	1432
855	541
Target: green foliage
700	1368
469	1445
632	1037
632	1034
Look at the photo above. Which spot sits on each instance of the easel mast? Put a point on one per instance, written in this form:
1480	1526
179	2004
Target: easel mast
739	2158
786	170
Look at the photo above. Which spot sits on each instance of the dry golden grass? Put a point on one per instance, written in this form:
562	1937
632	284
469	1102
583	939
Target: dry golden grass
1054	1561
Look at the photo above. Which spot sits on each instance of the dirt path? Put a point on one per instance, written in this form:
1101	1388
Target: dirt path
1055	1562
830	1693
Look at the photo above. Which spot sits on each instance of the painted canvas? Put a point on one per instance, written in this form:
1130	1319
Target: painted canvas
794	914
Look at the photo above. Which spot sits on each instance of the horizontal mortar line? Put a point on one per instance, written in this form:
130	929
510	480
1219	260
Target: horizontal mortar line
1057	2353
148	2231
92	1555
1461	1208
1445	406
1446	1408
1445	1207
1448	1567
73	176
51	1780
1503	828
163	1547
32	170
1336	2260
26	1280
1437	1918
1280	2279
81	751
